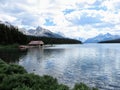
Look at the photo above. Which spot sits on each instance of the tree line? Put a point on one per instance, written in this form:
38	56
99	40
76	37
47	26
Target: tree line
11	35
48	40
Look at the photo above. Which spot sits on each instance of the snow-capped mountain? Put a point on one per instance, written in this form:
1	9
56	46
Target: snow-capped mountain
39	31
102	37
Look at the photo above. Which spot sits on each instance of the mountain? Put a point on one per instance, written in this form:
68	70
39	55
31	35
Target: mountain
41	32
102	37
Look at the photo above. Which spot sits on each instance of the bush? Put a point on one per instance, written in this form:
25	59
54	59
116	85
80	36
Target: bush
31	81
11	69
22	88
62	87
2	63
81	86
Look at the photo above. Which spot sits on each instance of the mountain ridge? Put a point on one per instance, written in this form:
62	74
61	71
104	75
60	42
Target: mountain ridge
102	37
42	32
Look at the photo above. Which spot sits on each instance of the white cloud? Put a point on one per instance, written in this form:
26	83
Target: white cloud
87	18
110	17
112	5
4	17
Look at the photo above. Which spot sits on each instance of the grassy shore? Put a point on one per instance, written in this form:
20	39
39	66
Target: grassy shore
15	77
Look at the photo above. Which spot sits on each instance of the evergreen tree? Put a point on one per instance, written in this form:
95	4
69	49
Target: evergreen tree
11	35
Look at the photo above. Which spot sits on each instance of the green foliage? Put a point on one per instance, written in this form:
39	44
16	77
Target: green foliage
15	77
2	63
62	87
11	69
11	35
23	87
81	86
94	88
2	76
31	81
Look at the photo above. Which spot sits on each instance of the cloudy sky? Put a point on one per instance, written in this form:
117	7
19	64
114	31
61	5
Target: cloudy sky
74	18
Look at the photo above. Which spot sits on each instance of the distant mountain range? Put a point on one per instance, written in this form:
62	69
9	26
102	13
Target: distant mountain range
39	31
102	37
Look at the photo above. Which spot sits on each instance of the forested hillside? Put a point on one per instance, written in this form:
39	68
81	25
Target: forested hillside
11	35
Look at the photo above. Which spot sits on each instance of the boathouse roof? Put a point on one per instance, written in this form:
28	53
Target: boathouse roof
36	43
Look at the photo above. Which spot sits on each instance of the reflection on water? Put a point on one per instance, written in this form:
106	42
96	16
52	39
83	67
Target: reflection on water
11	56
94	64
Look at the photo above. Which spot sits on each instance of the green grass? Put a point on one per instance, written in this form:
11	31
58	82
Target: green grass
15	77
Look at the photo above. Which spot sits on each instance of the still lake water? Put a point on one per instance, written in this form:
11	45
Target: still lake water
94	64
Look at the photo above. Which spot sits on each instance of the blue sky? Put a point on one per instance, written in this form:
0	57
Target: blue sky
73	18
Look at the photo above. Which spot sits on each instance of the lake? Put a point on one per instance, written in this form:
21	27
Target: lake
94	64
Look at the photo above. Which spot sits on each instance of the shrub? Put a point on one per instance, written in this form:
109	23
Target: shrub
11	69
81	86
23	88
95	88
62	87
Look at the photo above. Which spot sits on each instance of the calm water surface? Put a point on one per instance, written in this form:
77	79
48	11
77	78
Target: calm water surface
94	64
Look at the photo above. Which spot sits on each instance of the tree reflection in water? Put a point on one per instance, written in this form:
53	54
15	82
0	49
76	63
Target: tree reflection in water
11	56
